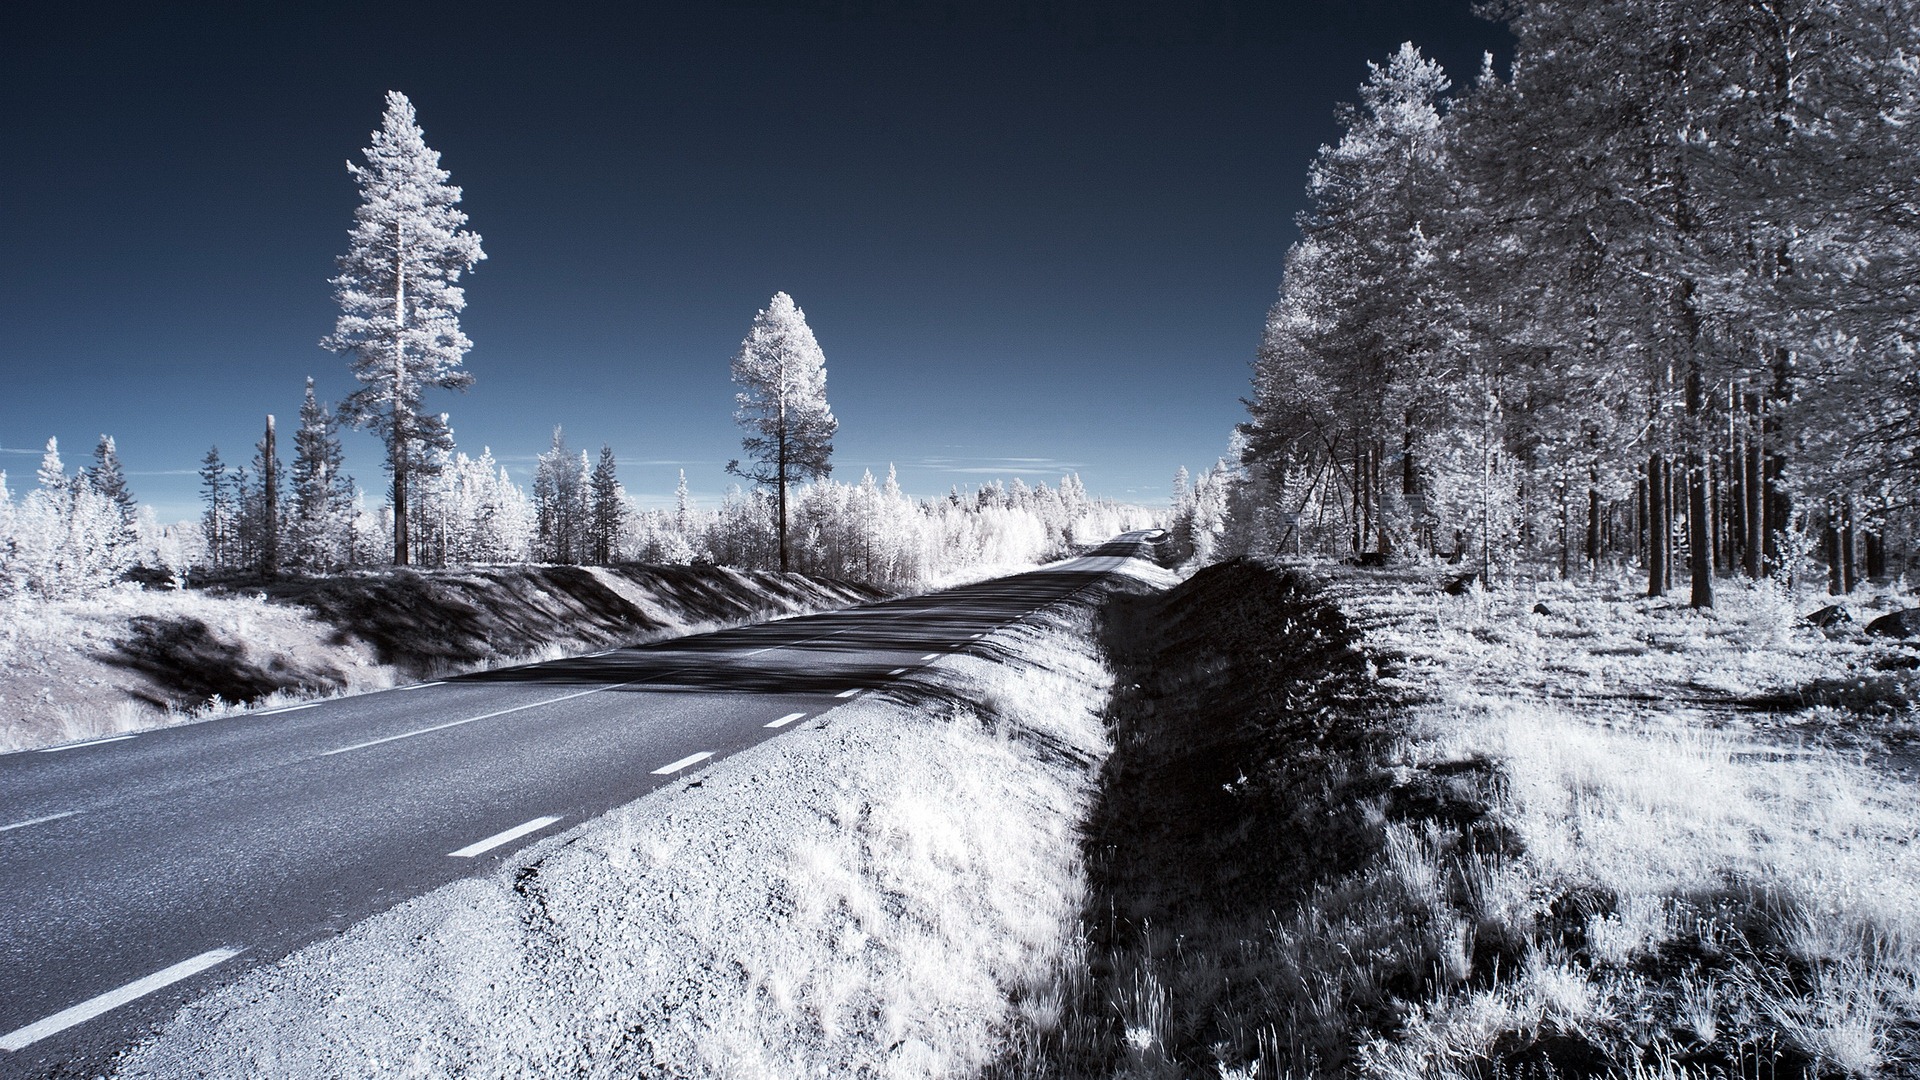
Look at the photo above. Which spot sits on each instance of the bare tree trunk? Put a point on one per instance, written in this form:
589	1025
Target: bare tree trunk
1848	580
1836	583
1656	527
1565	555
270	506
1756	516
781	529
1593	521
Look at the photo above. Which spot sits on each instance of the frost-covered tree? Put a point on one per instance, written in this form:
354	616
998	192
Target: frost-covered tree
782	403
560	503
399	298
109	478
320	525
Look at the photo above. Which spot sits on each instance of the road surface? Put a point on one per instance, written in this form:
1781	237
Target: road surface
138	872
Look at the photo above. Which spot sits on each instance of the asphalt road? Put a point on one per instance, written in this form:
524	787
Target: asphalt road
138	872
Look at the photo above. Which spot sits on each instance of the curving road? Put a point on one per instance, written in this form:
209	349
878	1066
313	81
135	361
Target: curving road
137	872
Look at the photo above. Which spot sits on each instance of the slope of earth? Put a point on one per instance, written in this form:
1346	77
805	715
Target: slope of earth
134	658
881	892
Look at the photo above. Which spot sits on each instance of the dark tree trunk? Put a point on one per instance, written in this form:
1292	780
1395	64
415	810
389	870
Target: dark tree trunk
270	506
1656	526
1755	490
398	451
781	527
1830	538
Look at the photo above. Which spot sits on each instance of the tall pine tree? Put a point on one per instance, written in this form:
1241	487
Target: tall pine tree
399	302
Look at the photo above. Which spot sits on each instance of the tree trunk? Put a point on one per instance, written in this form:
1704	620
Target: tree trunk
1831	542
270	508
1847	579
1593	521
399	451
1755	490
1656	526
781	529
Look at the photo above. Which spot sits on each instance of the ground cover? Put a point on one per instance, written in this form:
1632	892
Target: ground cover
132	657
1363	827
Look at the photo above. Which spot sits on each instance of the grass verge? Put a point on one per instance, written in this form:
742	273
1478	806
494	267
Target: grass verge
1472	838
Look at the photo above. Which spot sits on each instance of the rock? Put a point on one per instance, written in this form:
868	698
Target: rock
1900	624
1830	615
1541	609
1459	586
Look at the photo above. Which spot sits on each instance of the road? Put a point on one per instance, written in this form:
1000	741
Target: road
139	872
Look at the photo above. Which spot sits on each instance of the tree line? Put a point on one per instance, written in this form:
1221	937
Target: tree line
399	328
1648	296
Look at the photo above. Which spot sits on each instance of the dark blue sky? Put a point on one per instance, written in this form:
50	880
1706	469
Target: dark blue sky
1030	236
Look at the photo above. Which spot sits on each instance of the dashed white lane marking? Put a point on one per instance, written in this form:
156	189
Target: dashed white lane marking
898	671
931	656
79	1014
36	821
690	759
979	635
289	708
847	693
481	847
471	719
787	719
418	686
89	742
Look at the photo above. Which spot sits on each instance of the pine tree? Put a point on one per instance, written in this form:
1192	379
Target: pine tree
782	403
262	511
216	521
559	501
107	477
320	529
399	301
606	508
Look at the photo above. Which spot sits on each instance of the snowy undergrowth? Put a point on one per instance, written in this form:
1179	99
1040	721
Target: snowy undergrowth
867	895
1696	886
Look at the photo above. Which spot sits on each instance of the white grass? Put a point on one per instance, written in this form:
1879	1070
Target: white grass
1629	771
859	897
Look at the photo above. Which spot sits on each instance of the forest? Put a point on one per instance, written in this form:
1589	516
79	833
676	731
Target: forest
1646	297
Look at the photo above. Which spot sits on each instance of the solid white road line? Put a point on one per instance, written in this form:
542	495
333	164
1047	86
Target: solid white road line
36	821
289	708
481	847
787	719
847	693
418	686
690	759
898	671
79	1014
470	719
78	745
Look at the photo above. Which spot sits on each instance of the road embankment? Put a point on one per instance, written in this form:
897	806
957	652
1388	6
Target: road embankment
134	658
885	890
